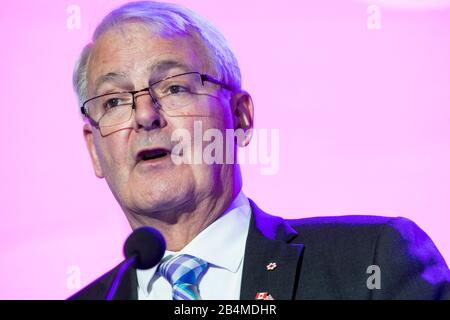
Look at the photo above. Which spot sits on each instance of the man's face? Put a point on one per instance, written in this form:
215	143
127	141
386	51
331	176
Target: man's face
134	57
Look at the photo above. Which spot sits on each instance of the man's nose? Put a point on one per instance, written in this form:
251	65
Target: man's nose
148	113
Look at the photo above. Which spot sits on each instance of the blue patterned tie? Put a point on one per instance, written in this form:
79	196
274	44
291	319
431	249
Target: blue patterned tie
183	272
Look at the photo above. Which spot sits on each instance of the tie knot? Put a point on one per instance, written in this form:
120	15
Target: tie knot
183	272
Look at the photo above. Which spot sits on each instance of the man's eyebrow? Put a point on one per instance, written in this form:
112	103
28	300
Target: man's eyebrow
109	77
155	71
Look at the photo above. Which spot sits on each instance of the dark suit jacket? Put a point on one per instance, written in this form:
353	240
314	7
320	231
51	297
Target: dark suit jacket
326	258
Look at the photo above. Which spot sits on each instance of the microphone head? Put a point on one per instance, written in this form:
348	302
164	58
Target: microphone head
148	245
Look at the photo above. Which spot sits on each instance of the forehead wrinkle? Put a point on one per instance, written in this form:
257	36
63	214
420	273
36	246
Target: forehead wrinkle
195	54
164	66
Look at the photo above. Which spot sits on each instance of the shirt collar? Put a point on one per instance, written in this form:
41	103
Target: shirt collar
226	235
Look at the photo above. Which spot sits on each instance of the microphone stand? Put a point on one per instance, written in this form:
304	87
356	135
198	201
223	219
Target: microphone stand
128	263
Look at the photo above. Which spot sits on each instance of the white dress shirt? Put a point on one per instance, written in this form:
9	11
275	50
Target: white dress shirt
222	245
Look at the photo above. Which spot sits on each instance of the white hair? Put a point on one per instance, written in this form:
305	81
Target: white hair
165	20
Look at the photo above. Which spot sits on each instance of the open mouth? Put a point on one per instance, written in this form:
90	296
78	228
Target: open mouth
154	154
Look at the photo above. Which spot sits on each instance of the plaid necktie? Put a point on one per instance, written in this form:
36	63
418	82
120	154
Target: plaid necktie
183	272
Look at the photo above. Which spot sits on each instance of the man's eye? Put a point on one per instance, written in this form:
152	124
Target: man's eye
174	89
113	102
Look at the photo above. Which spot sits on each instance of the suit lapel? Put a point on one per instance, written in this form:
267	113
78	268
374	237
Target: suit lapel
268	242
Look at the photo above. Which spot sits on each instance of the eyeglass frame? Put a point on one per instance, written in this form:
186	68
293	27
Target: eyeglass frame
203	76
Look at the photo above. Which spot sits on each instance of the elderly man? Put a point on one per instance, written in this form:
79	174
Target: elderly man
153	73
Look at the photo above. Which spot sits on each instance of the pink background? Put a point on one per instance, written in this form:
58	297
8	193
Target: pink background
363	117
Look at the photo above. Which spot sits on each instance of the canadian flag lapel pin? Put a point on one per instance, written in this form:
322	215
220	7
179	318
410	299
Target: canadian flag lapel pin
263	296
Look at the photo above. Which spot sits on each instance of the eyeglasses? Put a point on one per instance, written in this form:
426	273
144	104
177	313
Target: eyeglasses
172	94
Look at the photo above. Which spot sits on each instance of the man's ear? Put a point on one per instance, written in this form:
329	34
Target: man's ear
242	107
89	139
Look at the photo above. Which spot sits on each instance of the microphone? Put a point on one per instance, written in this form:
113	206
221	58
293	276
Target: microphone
143	249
